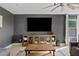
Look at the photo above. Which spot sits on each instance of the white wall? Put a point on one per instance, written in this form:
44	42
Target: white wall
78	28
1	18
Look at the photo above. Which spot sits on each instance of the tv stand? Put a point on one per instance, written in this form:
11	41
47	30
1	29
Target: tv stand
44	39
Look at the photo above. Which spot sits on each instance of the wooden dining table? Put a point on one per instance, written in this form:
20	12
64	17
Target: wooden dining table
39	47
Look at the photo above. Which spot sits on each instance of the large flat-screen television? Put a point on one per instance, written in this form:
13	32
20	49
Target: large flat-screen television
39	24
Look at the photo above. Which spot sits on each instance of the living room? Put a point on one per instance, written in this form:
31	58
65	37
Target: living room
39	29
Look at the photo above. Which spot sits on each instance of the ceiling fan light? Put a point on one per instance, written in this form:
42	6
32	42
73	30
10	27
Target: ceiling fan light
61	4
55	4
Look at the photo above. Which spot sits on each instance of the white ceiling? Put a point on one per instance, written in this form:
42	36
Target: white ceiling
35	8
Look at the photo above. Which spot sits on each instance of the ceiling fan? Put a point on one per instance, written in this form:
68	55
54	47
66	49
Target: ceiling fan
54	6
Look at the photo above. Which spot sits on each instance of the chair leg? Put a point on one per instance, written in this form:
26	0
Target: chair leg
49	51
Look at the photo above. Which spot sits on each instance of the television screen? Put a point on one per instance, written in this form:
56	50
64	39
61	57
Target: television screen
39	24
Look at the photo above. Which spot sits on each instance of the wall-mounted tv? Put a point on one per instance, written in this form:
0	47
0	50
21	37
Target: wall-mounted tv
39	24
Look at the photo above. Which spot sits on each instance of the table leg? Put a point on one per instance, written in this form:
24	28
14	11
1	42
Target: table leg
49	51
26	52
53	52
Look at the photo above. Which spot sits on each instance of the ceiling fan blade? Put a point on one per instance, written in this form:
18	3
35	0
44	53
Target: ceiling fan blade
51	5
76	5
71	6
55	8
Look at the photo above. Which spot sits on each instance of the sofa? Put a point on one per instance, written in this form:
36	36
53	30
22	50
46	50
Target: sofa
64	51
4	52
14	49
74	48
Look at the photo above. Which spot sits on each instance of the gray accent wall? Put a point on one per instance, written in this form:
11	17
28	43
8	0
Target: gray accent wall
7	29
58	25
17	24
